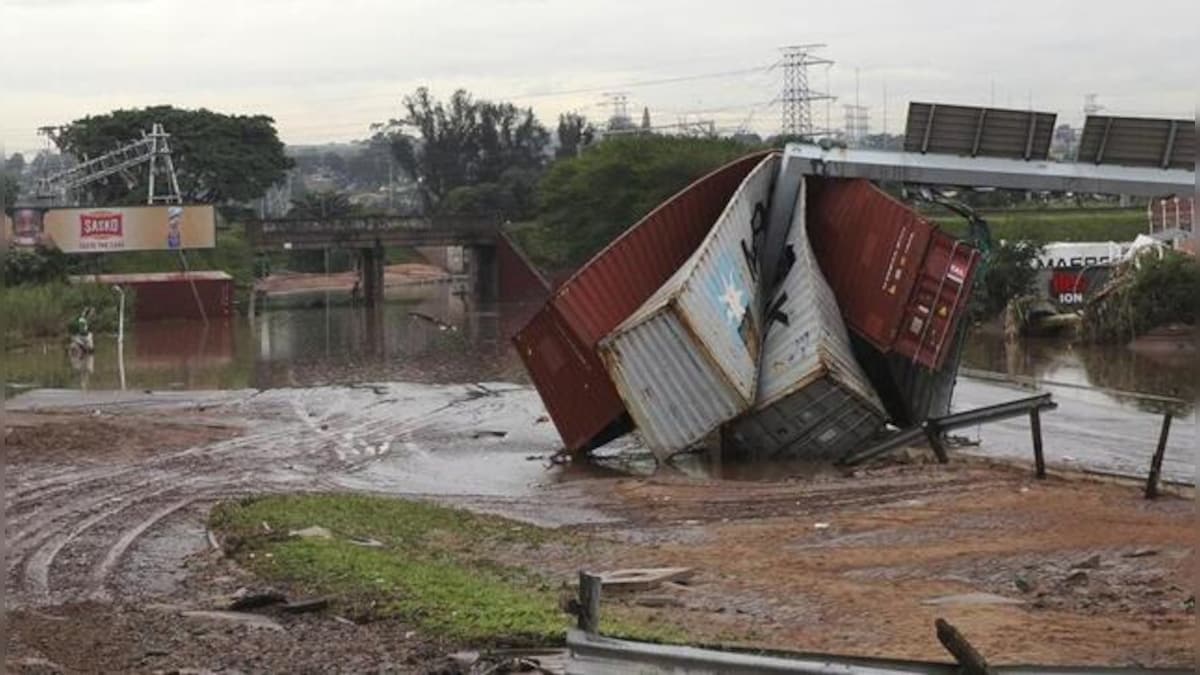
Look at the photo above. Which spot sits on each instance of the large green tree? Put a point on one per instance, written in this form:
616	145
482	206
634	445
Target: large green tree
586	201
463	141
574	134
218	158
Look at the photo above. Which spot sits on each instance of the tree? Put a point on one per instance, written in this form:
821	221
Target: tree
463	142
218	158
1010	274
15	164
574	134
322	205
10	189
586	201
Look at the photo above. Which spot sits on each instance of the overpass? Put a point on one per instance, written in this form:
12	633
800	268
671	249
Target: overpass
371	234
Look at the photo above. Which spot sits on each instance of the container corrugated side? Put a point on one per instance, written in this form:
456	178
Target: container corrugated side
618	279
588	304
813	399
895	287
939	300
687	360
870	248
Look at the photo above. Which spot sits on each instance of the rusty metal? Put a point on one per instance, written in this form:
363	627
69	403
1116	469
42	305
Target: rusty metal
901	284
173	295
558	345
687	360
573	384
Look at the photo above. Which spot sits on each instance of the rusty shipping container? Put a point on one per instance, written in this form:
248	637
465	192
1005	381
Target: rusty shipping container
901	283
813	401
558	346
173	295
687	360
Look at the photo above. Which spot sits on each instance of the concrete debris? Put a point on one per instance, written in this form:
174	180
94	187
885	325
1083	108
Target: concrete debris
312	532
305	606
1090	563
250	600
972	599
248	620
643	579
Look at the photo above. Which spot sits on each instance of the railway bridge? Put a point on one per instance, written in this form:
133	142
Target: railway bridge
479	237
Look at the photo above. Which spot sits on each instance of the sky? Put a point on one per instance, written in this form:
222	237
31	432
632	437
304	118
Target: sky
326	70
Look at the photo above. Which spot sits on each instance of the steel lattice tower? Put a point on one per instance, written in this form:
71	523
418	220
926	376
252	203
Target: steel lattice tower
796	97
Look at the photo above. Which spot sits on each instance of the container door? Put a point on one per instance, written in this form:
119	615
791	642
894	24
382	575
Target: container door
938	301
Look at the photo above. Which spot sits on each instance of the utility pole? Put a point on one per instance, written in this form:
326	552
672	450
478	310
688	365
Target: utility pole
797	96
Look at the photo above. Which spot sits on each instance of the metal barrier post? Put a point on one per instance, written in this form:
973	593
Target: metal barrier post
589	603
1156	463
1035	428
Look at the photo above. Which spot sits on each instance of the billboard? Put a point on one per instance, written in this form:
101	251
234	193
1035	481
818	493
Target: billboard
120	228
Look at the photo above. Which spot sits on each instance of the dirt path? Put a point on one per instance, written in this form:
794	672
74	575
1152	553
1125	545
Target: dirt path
108	494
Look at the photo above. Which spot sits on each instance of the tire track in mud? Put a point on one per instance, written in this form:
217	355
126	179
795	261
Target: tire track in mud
81	525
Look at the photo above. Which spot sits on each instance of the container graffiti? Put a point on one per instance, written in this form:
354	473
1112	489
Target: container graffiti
558	345
687	360
813	401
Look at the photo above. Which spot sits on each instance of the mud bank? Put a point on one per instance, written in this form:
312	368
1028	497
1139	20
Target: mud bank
111	552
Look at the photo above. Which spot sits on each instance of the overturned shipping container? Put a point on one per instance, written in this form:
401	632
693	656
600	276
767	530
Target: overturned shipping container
558	345
687	360
814	401
901	283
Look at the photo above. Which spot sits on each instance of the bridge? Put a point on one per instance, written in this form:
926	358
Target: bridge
492	262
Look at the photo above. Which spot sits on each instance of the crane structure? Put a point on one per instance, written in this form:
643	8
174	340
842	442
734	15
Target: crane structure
152	148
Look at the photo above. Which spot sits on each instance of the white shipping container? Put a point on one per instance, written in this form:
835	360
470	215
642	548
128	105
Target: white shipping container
813	401
687	360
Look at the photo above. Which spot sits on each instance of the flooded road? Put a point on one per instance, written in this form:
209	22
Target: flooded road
426	333
1100	422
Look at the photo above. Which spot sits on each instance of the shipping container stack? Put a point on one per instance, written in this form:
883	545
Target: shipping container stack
674	327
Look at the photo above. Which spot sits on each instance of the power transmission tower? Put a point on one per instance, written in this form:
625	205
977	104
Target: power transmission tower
797	96
619	121
1090	105
858	122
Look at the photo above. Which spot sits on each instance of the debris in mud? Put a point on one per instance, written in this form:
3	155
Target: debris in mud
245	600
643	579
366	542
1141	553
489	434
312	532
249	620
1090	563
305	606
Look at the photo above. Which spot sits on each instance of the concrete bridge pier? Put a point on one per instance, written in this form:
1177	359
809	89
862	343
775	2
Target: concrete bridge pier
370	270
483	270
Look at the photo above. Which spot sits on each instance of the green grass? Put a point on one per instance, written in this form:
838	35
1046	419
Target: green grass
1056	224
43	311
436	569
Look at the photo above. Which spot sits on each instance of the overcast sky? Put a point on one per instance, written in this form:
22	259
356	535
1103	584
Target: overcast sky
326	70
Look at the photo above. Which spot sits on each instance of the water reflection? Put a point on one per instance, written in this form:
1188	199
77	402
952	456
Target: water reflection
428	333
1103	366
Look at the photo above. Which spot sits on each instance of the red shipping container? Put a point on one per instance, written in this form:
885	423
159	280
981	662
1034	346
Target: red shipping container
558	345
901	283
170	295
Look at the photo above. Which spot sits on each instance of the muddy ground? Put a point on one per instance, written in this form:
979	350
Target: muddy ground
108	494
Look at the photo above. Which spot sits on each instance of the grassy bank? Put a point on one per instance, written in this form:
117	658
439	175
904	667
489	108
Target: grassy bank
1056	224
433	567
43	311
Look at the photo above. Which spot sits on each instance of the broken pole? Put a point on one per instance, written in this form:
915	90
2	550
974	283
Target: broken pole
934	434
1035	428
1156	463
589	603
968	657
